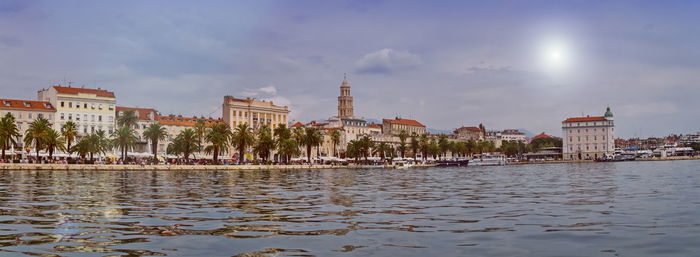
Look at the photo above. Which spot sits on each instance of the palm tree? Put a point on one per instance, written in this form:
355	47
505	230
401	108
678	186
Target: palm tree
219	137
70	133
8	133
265	143
155	132
402	143
184	144
365	144
415	144
200	129
383	149
289	148
353	150
128	119
99	144
37	132
54	141
335	139
242	138
124	138
281	132
424	146
310	138
82	147
444	145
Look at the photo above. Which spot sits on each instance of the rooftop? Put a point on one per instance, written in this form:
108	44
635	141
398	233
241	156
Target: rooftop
472	129
76	90
542	135
26	105
585	119
173	120
142	113
406	122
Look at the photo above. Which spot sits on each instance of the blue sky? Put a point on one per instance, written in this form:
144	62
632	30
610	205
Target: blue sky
507	64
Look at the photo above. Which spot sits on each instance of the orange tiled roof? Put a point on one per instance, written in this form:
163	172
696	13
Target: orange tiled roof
26	105
76	90
141	112
375	126
185	121
406	122
542	135
584	119
298	124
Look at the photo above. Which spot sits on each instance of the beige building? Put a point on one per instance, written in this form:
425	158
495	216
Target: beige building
89	109
395	126
176	124
25	112
469	133
253	112
588	137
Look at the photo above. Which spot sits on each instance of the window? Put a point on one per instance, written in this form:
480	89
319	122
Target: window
85	130
111	107
100	107
62	116
77	117
111	118
99	118
92	117
85	105
70	116
92	129
30	115
77	105
62	104
85	117
70	104
93	106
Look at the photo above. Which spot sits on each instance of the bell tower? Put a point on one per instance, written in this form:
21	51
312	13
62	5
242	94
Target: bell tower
345	109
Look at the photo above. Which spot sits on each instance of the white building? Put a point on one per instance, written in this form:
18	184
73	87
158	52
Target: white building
588	137
25	112
89	109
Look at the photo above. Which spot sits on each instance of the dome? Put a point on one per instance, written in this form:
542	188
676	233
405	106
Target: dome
608	113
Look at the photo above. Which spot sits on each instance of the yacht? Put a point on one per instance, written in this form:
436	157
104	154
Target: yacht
488	159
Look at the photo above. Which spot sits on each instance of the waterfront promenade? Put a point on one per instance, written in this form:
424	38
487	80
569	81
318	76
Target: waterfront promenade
105	167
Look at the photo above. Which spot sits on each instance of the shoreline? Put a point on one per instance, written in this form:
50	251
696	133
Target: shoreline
106	167
592	161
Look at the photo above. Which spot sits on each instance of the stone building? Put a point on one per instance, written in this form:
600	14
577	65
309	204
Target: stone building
253	112
147	116
345	105
89	109
468	133
395	126
589	137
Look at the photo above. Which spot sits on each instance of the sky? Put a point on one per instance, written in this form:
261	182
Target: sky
506	64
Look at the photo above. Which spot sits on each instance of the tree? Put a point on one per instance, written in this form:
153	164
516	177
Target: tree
99	143
353	150
383	149
125	139
444	145
242	138
282	134
415	144
200	129
128	119
289	148
539	143
424	146
265	143
218	137
154	133
309	139
365	144
402	143
37	133
8	133
54	141
184	143
70	133
434	149
335	139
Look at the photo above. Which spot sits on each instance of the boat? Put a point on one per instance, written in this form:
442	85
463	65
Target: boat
488	159
453	163
403	164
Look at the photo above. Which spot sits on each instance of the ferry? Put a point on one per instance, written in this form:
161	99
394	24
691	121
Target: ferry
488	159
453	163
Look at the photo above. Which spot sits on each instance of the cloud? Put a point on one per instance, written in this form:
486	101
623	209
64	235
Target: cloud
387	60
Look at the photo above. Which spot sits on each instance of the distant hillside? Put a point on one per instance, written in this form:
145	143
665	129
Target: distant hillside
527	133
438	131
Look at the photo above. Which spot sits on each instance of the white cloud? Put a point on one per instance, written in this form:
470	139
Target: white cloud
387	60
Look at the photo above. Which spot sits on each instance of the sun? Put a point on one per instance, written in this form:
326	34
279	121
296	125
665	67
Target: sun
555	56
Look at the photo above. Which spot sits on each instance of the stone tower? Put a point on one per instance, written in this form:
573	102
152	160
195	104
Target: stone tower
345	109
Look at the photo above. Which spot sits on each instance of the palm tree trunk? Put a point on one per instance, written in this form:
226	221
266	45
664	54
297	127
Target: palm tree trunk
3	153
240	154
155	150
216	155
308	153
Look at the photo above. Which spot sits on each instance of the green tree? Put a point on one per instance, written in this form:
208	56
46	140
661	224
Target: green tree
282	134
37	133
310	138
335	139
444	145
128	119
402	143
184	144
242	138
383	150
124	138
353	150
54	141
264	143
415	145
424	146
539	143
200	129
365	145
8	132
70	133
154	133
289	148
218	137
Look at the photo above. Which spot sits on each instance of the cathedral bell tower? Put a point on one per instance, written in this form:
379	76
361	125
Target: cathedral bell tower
345	109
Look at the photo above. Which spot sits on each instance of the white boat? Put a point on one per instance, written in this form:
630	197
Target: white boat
403	164
488	159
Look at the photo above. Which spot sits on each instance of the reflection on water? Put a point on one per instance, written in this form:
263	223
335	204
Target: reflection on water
606	209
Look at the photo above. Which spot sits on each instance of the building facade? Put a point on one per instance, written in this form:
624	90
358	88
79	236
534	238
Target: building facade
345	104
25	112
588	138
395	126
89	109
468	133
253	112
147	116
175	124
